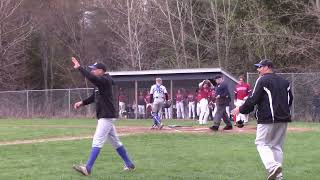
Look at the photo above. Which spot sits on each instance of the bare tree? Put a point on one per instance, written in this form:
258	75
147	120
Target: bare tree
15	28
195	34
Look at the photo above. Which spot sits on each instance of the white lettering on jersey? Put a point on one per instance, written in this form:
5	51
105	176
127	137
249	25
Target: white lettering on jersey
158	91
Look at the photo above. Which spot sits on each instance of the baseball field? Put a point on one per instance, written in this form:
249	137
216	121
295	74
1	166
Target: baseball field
46	149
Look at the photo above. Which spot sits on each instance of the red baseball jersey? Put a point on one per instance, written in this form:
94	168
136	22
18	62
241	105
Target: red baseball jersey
205	92
141	100
148	98
190	97
179	97
242	90
122	98
198	98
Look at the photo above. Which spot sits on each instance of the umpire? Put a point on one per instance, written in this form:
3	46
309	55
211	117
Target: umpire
222	101
273	98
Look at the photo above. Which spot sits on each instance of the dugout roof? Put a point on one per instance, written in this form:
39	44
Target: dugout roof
170	74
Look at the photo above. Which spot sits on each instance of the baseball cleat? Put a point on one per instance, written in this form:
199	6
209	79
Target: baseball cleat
81	169
228	128
160	126
214	128
274	173
154	126
129	168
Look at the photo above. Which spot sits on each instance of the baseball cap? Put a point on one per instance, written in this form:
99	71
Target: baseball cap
217	77
264	62
158	79
98	66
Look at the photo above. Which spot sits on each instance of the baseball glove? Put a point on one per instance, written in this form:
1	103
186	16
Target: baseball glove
167	104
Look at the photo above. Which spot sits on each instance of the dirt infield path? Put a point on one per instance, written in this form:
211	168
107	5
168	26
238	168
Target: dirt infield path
132	130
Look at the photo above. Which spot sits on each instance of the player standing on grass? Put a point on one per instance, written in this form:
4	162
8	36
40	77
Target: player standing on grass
241	93
205	90
180	104
122	103
158	96
198	99
191	106
273	97
141	105
106	113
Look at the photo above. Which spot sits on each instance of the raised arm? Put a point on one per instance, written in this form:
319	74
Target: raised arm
201	83
97	81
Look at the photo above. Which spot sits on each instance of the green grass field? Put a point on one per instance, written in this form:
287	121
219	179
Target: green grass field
157	156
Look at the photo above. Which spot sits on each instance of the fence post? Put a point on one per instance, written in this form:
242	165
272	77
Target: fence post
293	94
27	92
247	77
136	98
69	102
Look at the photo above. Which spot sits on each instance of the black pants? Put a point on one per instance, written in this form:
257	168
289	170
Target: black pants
221	113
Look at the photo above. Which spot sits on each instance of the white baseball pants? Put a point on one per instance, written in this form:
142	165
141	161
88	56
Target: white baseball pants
122	108
141	110
105	130
180	110
269	141
240	116
191	108
204	111
168	113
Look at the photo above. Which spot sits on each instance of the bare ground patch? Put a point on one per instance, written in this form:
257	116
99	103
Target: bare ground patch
132	130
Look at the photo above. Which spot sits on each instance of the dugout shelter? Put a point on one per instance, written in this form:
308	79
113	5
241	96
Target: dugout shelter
132	82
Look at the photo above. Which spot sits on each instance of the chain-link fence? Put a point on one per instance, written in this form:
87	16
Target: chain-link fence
44	103
59	103
305	88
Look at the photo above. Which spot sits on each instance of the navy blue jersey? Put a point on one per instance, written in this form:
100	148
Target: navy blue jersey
273	97
102	95
223	90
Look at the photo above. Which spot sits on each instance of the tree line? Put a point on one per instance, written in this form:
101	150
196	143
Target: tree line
38	37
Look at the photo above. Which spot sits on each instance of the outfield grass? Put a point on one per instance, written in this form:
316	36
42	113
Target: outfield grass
157	156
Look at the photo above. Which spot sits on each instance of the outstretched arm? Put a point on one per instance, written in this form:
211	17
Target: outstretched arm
249	104
87	101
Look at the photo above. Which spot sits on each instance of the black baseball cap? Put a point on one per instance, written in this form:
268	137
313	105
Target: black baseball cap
264	62
217	77
98	66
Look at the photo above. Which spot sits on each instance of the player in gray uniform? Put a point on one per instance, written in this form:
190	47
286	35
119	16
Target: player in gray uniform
273	97
106	114
158	96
